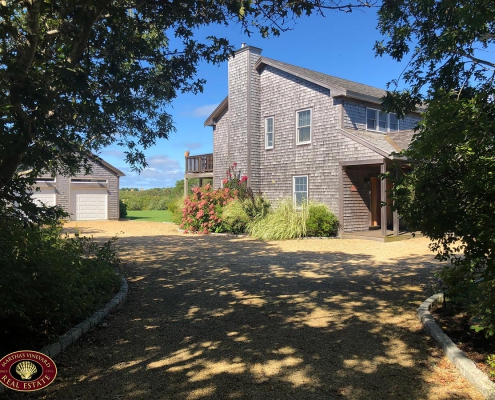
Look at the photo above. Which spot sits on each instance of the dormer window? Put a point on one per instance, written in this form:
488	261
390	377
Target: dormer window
380	121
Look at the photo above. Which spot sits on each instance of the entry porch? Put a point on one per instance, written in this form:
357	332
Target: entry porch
365	209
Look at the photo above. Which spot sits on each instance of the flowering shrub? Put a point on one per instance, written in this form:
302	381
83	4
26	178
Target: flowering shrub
235	181
203	209
207	210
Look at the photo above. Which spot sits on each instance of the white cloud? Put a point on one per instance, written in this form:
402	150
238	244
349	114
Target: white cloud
162	171
189	145
204	111
160	161
113	153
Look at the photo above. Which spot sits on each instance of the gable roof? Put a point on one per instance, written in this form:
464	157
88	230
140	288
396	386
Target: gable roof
96	159
103	163
217	112
348	88
343	87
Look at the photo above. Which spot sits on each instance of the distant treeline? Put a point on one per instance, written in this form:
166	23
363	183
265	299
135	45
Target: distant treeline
154	199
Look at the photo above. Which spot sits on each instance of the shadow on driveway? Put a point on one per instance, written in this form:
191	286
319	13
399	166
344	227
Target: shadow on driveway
211	317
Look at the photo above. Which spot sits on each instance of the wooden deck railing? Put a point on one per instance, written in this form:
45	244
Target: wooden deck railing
199	164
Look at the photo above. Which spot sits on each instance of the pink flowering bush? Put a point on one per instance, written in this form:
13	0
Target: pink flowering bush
228	209
235	181
202	212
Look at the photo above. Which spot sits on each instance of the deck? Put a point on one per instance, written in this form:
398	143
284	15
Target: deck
200	167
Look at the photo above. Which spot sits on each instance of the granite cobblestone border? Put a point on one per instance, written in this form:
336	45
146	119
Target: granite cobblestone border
73	334
466	366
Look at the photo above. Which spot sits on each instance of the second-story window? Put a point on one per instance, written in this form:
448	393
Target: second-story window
303	120
269	130
380	121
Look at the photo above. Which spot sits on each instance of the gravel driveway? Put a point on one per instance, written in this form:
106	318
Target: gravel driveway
220	317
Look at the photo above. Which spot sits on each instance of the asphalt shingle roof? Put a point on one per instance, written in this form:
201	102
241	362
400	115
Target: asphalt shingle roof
352	89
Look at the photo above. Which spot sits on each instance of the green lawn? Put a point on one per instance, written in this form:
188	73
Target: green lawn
150	215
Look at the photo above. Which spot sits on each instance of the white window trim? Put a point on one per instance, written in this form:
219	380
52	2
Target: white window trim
45	180
266	133
310	125
78	181
294	190
377	118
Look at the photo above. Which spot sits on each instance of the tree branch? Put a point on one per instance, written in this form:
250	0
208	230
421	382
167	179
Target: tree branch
477	60
82	39
32	19
335	6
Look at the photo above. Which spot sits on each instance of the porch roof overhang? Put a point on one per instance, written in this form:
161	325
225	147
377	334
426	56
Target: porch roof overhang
386	145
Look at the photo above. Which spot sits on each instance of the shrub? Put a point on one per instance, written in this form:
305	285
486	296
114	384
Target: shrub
175	206
134	204
234	181
162	204
49	282
255	206
286	222
321	221
490	360
203	209
234	216
122	209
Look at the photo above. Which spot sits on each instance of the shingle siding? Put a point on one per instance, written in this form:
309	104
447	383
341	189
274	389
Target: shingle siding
320	159
221	149
354	115
357	197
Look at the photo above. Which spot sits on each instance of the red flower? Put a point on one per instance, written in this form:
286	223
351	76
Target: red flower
244	178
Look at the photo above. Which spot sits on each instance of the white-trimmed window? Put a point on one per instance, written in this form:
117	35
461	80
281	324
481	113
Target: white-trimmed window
269	132
380	121
300	190
303	123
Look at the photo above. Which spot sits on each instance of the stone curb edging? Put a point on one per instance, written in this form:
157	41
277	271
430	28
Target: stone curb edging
466	366
72	335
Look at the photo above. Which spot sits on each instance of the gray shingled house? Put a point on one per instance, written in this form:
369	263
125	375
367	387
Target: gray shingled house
307	135
84	197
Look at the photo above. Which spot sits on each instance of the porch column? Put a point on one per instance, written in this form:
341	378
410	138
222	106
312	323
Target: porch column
396	216
383	199
396	223
186	180
341	199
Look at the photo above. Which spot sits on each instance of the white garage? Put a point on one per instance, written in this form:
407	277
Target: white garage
89	204
46	196
92	195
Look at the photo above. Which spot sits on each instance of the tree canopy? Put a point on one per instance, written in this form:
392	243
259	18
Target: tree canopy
80	75
449	196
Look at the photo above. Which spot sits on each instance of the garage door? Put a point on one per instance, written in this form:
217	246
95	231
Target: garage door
46	196
88	204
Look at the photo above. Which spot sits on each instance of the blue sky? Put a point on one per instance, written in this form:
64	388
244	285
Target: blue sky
341	44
